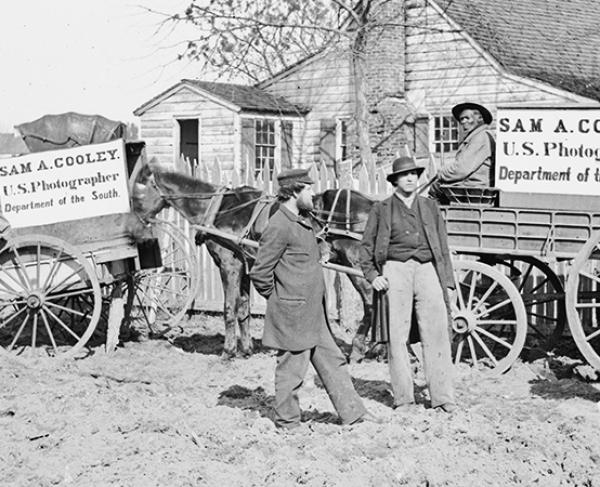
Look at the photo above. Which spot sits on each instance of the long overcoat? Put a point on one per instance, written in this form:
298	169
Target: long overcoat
376	239
288	274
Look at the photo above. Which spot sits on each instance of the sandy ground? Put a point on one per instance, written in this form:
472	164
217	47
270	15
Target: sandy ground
173	413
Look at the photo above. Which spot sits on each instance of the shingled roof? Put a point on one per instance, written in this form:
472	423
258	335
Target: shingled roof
242	96
554	41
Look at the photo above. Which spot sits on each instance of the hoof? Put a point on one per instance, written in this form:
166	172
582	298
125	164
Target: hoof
228	356
356	356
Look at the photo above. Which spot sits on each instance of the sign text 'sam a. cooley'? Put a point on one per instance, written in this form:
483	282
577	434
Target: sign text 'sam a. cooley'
549	150
68	184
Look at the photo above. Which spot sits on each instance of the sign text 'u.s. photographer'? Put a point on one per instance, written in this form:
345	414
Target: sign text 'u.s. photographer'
549	150
68	184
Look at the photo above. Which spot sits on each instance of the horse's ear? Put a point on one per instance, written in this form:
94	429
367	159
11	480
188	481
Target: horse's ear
158	167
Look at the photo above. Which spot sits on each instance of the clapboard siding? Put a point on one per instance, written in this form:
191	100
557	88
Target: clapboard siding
446	69
325	85
216	122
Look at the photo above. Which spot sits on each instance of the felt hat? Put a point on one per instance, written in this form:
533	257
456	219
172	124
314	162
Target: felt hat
402	165
485	113
291	176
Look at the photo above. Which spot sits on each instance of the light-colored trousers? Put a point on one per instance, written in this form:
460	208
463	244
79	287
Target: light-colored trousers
412	284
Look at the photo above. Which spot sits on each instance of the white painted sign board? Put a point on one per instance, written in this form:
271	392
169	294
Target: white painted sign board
62	185
548	150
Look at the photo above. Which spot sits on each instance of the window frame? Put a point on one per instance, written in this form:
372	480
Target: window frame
262	146
450	135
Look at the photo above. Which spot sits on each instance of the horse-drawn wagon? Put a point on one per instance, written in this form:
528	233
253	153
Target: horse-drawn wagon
73	251
517	249
531	245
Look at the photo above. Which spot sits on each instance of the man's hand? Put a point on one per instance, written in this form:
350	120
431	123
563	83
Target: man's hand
380	283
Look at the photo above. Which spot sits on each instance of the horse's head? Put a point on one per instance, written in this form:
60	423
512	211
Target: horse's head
188	195
146	197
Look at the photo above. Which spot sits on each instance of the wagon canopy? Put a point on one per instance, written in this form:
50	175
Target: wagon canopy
69	130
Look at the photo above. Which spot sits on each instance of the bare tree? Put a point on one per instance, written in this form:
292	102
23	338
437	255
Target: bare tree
255	40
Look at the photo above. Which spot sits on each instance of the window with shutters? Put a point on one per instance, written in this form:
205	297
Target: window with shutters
264	147
445	134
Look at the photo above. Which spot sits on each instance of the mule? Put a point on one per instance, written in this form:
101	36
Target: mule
244	212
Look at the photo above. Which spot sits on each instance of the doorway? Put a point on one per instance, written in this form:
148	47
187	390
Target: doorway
188	141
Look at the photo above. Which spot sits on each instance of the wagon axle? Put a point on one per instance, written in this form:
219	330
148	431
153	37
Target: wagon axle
35	300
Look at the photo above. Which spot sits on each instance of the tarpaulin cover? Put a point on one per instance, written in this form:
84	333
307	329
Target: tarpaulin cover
70	129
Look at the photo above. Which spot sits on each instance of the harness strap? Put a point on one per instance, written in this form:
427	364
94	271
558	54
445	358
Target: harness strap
346	213
213	207
262	203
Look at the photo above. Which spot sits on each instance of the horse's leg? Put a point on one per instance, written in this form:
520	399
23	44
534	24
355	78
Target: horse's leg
243	315
230	270
347	253
359	346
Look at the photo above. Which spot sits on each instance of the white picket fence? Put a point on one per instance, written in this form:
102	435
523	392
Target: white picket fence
210	293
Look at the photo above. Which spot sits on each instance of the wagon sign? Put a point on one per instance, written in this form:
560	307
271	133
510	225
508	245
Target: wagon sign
548	150
69	184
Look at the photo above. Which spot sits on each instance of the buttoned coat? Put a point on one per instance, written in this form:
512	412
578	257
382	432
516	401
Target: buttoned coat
376	239
288	274
473	162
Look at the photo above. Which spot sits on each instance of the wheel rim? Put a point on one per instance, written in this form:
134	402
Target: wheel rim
164	294
583	300
543	295
489	321
44	283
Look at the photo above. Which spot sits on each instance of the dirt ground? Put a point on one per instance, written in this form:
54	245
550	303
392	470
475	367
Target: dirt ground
173	413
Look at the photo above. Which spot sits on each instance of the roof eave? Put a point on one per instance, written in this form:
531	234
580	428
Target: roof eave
184	83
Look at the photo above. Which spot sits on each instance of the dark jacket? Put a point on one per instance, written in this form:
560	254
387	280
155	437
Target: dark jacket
288	274
376	239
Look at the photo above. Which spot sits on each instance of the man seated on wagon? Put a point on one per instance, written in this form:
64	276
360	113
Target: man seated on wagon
473	165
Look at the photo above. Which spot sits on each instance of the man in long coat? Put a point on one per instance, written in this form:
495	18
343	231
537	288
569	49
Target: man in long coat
288	274
404	252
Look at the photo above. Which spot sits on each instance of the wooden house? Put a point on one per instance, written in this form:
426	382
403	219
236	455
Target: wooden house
427	56
437	53
228	123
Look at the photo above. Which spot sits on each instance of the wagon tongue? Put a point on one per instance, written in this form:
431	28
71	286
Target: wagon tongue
68	130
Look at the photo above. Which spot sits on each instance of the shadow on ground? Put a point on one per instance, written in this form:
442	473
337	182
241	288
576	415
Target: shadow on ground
257	400
207	344
564	389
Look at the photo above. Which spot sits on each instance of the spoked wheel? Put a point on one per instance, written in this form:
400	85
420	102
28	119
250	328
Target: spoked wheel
49	297
583	300
542	293
164	294
488	318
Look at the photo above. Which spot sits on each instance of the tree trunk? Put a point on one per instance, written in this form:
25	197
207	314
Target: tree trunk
361	110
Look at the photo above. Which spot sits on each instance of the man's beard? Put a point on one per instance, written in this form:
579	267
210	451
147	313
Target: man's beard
305	205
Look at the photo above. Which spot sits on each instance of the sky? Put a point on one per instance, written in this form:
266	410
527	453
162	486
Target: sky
102	57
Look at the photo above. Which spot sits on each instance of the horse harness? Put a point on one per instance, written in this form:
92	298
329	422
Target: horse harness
329	220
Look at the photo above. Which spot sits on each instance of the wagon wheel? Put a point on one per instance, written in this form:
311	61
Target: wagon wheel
164	294
488	317
542	293
583	300
49	296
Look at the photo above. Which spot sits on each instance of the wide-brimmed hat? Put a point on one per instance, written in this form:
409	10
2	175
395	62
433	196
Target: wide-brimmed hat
485	113
292	176
402	165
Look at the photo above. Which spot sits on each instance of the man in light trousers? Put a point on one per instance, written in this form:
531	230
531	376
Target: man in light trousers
404	252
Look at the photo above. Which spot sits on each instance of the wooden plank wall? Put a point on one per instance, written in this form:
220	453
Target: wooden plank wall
326	86
444	68
217	128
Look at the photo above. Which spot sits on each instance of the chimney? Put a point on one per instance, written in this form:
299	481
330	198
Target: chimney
390	123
